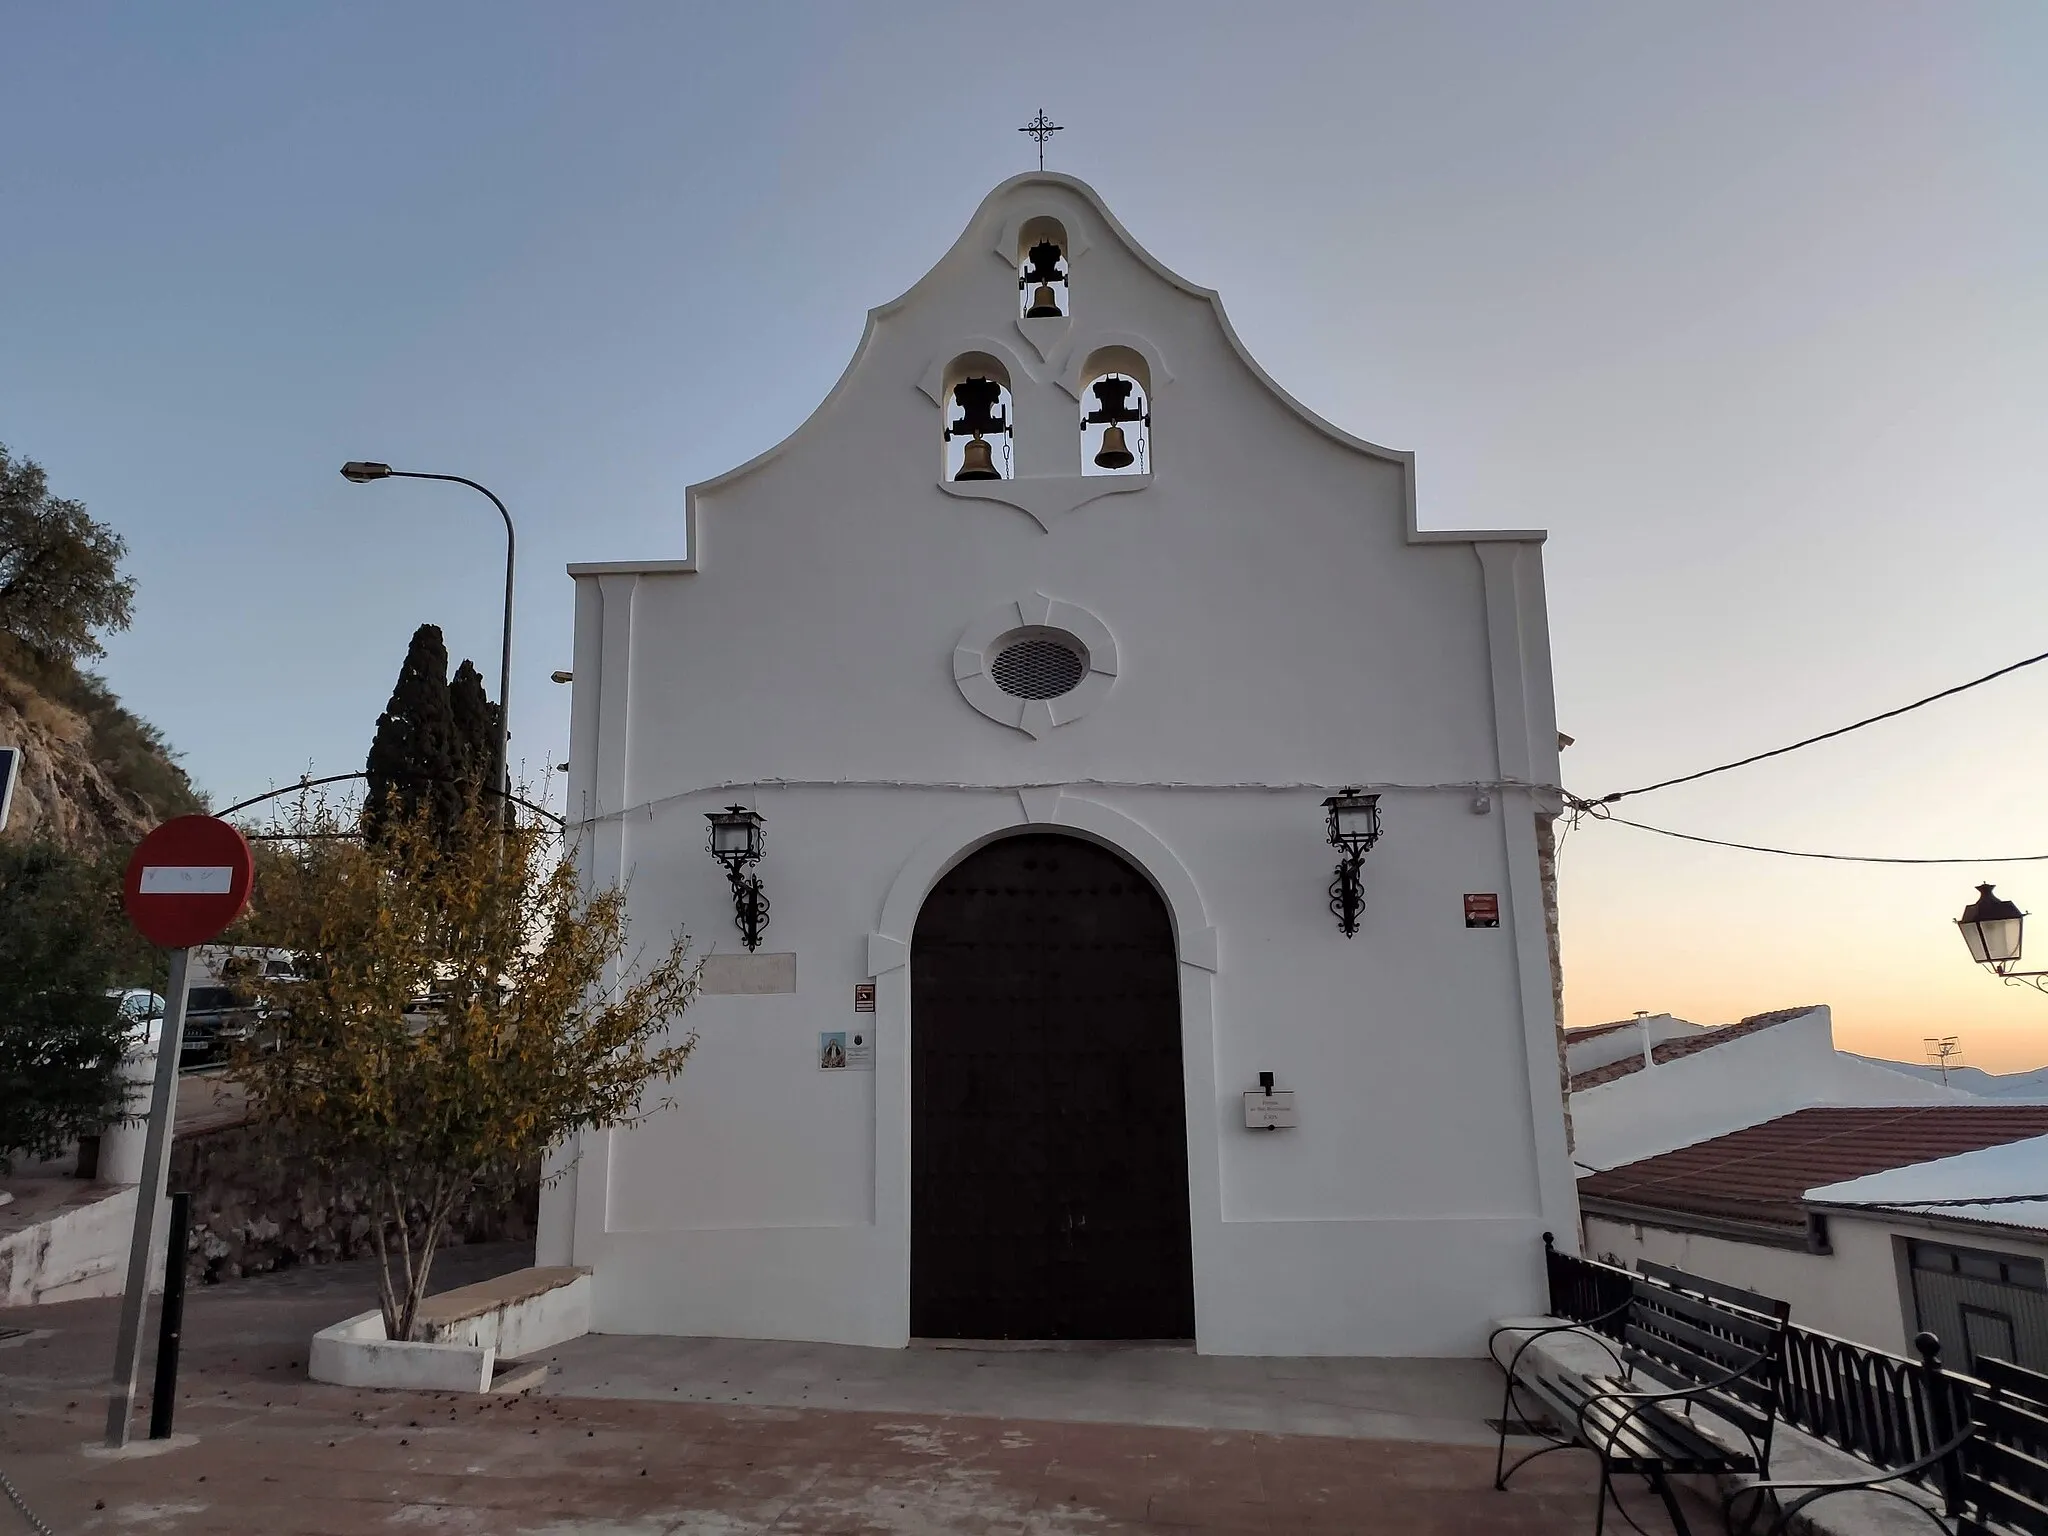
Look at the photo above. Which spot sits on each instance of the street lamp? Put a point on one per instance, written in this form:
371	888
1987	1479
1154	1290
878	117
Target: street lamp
362	472
1991	928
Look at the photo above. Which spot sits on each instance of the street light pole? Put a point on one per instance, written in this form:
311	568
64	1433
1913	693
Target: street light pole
361	472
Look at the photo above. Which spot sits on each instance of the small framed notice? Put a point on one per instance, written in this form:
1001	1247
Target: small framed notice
863	997
1482	909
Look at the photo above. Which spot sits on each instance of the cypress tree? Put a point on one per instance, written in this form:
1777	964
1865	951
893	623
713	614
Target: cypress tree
476	728
414	757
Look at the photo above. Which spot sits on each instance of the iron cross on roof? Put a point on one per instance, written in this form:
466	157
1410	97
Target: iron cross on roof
1042	128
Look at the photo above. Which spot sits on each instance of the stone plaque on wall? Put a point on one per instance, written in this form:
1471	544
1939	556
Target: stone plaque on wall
749	975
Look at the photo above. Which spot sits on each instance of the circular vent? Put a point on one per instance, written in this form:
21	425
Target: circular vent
1039	667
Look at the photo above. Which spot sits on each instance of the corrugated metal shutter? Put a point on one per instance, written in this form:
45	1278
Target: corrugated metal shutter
1982	1303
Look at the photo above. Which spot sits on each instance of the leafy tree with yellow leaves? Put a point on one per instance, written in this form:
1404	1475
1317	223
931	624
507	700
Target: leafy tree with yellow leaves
464	1007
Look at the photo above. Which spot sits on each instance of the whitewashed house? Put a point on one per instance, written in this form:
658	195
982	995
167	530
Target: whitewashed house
1037	650
1654	1083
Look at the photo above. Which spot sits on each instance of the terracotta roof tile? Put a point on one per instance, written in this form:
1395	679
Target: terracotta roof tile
1759	1173
1595	1031
1686	1045
1593	1077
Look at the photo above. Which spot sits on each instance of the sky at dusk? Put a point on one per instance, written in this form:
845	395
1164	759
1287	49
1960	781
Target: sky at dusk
1746	304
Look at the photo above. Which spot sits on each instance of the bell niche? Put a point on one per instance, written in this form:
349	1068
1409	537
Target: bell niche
1043	287
1044	282
1116	415
978	420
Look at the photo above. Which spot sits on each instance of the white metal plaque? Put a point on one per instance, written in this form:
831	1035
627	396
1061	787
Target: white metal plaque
1265	1111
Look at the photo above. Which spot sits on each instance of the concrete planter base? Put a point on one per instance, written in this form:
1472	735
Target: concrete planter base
355	1353
466	1330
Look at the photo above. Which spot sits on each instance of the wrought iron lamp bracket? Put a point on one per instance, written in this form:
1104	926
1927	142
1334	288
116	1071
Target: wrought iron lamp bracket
1347	895
2038	980
749	907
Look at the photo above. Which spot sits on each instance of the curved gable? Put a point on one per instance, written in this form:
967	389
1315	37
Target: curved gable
994	232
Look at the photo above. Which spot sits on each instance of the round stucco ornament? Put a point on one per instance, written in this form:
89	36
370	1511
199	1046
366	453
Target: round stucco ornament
1035	664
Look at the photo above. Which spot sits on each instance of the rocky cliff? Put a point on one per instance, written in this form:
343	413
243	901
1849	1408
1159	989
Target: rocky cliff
93	776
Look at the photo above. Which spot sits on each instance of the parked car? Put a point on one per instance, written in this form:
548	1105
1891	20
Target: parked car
143	1012
215	1018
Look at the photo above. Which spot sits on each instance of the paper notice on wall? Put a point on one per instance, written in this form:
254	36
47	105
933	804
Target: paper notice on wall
846	1050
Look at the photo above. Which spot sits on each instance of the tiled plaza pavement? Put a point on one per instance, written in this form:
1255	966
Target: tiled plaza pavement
279	1455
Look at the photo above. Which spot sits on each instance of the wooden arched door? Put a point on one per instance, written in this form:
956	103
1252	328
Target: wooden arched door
1049	1179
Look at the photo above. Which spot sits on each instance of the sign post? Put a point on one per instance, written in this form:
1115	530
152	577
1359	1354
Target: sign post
10	770
187	881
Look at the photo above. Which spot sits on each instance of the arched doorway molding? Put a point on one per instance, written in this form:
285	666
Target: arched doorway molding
1195	939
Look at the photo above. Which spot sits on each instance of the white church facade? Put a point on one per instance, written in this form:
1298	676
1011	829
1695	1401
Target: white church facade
1030	660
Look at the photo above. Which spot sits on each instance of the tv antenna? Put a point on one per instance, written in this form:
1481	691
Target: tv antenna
1944	1051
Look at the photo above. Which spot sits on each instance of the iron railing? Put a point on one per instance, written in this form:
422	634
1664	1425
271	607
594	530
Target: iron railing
1873	1405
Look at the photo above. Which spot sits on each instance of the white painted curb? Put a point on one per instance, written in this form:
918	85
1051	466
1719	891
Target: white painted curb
355	1353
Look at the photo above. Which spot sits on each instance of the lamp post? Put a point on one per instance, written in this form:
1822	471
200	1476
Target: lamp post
361	472
1991	928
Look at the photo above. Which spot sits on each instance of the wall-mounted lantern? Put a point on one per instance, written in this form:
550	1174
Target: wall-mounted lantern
1991	929
736	842
1354	826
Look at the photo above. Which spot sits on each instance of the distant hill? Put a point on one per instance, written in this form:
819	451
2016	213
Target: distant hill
1989	1085
94	777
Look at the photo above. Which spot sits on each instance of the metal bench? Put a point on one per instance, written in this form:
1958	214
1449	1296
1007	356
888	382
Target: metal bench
1682	1344
2005	1463
1991	1462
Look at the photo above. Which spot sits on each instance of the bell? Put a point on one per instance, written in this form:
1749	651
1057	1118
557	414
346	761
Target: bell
1043	305
979	461
1116	454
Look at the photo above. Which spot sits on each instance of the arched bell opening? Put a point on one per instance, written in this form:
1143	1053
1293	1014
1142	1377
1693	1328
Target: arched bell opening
1044	289
980	424
1116	414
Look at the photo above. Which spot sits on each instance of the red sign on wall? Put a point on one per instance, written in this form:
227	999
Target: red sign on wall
187	881
1482	909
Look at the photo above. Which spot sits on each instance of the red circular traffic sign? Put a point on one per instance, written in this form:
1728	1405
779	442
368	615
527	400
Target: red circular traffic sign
187	881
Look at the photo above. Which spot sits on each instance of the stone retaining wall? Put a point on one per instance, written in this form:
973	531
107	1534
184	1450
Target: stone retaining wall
254	1211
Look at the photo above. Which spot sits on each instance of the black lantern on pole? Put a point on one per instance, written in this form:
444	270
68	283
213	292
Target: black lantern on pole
1991	927
736	842
1353	821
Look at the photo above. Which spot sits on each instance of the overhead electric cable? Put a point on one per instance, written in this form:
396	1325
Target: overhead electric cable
1844	730
1800	853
